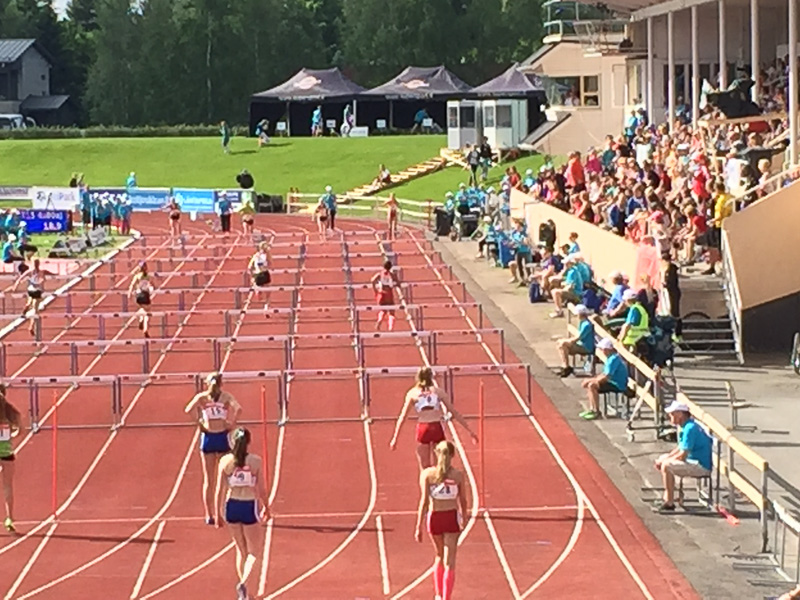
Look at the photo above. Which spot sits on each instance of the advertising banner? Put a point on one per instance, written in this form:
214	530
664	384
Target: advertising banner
46	221
149	198
54	198
14	192
195	200
118	193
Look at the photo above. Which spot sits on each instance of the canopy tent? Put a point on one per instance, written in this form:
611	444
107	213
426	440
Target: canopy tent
512	83
298	96
415	88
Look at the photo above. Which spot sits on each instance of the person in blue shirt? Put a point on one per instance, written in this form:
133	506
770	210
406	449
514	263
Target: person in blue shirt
692	456
12	221
130	182
224	208
522	254
581	344
87	207
574	248
419	120
329	198
614	378
316	122
449	202
10	255
615	304
571	287
26	249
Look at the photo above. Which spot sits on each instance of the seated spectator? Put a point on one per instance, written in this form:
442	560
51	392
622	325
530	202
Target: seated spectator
570	289
692	456
614	378
26	249
10	255
637	325
581	344
384	176
791	595
573	243
616	307
488	238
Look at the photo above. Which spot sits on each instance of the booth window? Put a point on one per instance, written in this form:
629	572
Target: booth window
577	91
590	90
488	116
452	117
467	117
504	116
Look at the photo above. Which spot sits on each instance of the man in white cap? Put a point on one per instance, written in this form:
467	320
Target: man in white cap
581	344
614	378
637	323
329	198
692	456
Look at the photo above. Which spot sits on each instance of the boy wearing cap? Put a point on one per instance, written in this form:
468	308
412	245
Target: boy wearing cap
691	458
581	344
637	323
614	378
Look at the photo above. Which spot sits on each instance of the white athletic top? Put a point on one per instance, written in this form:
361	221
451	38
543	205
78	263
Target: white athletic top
242	477
427	400
35	281
214	411
386	281
144	285
262	261
446	490
5	432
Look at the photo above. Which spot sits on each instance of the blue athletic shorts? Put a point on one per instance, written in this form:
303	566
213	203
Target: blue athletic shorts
214	443
241	511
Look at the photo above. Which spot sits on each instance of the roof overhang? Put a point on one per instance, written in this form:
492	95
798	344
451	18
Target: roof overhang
640	10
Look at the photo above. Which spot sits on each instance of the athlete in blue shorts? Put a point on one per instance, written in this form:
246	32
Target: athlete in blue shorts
215	412
242	487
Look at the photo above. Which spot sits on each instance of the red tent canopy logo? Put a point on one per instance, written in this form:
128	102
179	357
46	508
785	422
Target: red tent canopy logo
306	83
415	84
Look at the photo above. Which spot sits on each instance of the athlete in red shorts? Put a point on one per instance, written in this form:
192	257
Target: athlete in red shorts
384	283
432	404
443	495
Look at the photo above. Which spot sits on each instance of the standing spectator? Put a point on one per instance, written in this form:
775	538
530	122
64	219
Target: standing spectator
692	456
576	178
581	344
225	134
419	120
474	162
574	248
522	253
614	378
130	182
486	158
224	208
262	132
329	198
317	128
670	286
648	297
125	212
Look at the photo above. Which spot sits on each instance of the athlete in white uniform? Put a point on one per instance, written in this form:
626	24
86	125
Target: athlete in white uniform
443	496
432	404
36	279
241	484
259	270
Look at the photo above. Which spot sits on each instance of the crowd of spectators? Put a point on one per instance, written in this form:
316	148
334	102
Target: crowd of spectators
16	242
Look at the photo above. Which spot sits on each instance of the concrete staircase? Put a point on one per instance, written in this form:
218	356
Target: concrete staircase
419	170
707	328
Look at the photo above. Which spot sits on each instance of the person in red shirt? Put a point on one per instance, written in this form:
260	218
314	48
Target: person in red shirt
576	178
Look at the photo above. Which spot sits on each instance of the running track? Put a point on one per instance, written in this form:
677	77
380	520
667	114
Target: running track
130	517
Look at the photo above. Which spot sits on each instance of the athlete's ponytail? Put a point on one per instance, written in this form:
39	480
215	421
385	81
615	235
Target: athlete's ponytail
444	457
241	440
425	377
214	381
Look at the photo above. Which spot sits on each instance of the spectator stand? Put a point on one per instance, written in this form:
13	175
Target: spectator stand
738	471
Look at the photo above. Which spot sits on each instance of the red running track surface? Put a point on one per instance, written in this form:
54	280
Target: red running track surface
130	514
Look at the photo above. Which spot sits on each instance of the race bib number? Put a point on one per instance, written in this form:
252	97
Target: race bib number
242	478
5	433
215	412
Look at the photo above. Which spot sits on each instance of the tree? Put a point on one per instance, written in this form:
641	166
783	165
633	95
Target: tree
83	14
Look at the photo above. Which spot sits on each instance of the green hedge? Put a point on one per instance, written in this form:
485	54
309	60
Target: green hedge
112	131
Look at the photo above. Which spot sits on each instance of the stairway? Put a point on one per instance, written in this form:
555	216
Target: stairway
413	172
707	328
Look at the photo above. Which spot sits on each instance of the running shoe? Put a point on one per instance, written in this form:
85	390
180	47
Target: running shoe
9	525
209	520
241	590
566	372
589	415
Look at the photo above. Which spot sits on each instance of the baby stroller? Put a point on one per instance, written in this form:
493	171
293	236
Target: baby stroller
465	222
659	349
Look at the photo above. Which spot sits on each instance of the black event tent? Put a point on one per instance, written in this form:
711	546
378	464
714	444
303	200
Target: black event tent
299	96
399	99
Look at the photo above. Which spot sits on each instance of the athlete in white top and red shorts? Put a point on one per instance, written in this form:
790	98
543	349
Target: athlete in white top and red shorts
384	283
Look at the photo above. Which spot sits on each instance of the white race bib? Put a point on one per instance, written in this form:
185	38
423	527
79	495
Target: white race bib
446	490
242	478
215	411
5	433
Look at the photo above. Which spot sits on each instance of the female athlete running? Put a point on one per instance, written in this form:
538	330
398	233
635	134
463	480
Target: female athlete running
384	283
10	424
215	412
241	485
36	279
321	213
174	210
432	405
443	496
392	214
259	269
144	292
247	210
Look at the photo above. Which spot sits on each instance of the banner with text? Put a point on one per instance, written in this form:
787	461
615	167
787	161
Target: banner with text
149	198
14	192
195	200
46	221
118	193
54	198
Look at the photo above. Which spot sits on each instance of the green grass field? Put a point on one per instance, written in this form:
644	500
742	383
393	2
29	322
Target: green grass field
305	163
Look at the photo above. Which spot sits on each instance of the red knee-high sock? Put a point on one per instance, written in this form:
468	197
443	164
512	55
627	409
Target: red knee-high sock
438	578
449	583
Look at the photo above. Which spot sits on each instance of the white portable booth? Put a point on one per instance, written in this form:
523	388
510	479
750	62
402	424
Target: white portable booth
464	123
505	122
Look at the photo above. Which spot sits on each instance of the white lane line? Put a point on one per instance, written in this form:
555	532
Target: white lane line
387	588
501	555
187	574
26	569
100	455
581	495
149	559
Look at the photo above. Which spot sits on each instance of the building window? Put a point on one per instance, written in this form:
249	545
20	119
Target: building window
576	91
504	116
452	117
467	117
488	116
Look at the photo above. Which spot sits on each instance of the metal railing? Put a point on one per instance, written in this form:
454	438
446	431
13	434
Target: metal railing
733	300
